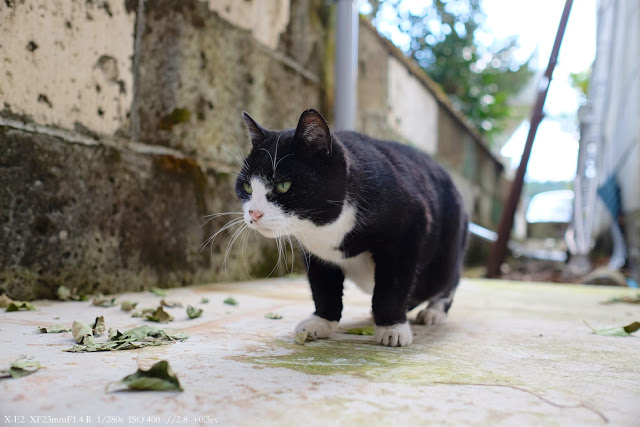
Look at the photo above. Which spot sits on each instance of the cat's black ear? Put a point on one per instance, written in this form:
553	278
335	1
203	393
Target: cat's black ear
258	133
313	130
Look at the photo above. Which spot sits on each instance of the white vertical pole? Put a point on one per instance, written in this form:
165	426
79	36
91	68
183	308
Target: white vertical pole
346	79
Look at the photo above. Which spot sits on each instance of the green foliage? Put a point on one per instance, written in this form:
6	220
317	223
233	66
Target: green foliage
443	36
580	82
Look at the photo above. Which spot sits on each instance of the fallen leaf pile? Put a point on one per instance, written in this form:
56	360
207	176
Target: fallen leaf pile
142	336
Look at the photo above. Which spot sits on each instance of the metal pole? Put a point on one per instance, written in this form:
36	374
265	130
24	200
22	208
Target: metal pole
499	249
346	65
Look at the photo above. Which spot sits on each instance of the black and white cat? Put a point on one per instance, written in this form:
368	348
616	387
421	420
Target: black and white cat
379	213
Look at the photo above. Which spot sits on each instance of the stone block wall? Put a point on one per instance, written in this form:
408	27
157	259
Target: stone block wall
120	130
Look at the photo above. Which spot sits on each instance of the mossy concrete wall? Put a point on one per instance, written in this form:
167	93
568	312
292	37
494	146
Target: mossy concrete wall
120	129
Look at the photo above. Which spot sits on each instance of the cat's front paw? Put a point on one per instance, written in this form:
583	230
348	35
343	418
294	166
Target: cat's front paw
431	316
317	327
394	335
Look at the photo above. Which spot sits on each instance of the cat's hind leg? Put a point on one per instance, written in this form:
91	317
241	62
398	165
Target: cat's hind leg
436	311
445	274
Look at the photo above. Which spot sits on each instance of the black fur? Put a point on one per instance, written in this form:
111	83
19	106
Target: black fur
410	216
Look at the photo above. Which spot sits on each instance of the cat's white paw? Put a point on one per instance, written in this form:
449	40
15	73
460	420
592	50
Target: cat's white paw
394	335
431	316
317	327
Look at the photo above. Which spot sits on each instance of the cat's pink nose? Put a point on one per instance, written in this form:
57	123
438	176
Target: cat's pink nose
255	215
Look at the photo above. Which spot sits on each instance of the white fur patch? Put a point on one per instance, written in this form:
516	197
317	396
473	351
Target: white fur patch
317	327
431	315
322	241
394	335
274	221
360	270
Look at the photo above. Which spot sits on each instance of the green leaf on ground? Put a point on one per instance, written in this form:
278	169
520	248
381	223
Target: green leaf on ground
142	336
127	305
65	294
365	330
82	333
20	368
170	304
98	326
204	300
623	331
159	292
159	377
143	312
230	301
102	301
20	306
53	329
627	300
274	316
160	316
5	301
193	312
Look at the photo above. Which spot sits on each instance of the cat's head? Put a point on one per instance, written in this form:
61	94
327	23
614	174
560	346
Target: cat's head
291	176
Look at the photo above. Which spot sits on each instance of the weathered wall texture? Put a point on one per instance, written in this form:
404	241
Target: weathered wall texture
104	186
66	62
120	130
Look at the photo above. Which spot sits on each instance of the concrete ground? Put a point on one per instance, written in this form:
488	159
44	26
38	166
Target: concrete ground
509	354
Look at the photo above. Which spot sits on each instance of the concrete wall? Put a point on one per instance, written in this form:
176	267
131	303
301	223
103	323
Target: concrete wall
120	130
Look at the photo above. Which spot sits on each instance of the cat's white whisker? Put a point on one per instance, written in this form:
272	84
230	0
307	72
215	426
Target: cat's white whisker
244	250
275	157
214	216
234	237
270	156
233	223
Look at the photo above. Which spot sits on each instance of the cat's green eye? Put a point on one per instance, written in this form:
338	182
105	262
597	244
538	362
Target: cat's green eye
247	188
283	187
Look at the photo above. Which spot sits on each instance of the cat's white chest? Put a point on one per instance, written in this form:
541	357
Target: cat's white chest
360	270
324	242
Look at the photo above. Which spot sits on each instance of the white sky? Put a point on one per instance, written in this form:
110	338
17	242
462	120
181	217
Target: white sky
554	155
